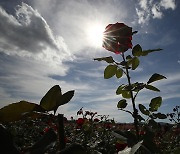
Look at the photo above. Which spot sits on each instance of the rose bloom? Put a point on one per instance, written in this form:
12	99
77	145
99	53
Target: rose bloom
80	121
117	38
96	120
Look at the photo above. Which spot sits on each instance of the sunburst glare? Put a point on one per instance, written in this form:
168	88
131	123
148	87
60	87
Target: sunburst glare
95	34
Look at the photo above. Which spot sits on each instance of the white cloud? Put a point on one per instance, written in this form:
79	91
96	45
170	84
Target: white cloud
168	4
29	35
153	9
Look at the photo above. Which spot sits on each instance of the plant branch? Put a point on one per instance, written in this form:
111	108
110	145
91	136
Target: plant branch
126	111
135	111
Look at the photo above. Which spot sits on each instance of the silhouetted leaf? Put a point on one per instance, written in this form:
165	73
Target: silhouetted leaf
155	77
119	73
15	111
63	99
122	104
135	63
160	115
106	59
155	103
146	52
49	101
137	50
126	94
119	89
150	87
110	71
143	109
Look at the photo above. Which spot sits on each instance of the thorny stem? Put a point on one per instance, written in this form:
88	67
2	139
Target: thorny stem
135	111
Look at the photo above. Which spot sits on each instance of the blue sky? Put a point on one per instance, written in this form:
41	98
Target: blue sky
44	43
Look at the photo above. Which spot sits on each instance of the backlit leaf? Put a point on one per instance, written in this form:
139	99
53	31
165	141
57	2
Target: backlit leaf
15	111
155	77
146	52
49	101
143	109
63	99
122	104
119	89
106	59
126	94
135	63
137	50
110	71
155	103
119	73
150	87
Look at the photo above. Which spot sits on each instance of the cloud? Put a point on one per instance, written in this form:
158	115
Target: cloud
28	34
153	9
72	24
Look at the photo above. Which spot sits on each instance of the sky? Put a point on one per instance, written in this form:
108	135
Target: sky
45	43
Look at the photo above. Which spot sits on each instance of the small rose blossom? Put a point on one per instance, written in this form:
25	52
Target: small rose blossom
80	121
96	120
117	38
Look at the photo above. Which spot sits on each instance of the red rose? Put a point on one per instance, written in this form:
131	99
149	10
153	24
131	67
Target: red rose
96	120
117	38
80	121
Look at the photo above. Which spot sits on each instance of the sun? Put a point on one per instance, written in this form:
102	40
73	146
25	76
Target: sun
95	34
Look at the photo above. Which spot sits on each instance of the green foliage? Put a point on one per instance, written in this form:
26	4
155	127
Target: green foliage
137	50
143	109
155	77
150	87
122	104
155	103
146	52
120	89
54	98
110	71
126	94
119	73
135	63
50	102
15	111
106	59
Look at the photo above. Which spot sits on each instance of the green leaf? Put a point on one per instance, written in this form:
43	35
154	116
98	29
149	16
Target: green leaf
106	59
49	101
126	94
63	99
155	103
110	71
140	118
137	50
146	52
135	63
119	73
122	104
119	89
143	109
128	57
160	115
150	87
155	77
15	111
